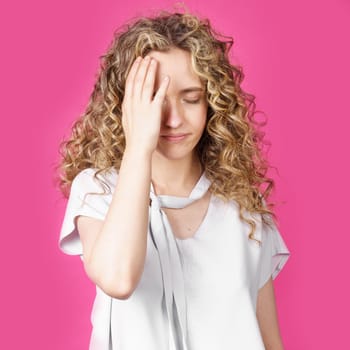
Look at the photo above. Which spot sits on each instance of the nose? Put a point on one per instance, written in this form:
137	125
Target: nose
172	114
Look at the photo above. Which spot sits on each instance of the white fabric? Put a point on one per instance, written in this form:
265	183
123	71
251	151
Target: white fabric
213	277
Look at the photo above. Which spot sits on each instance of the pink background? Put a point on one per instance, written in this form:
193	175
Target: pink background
296	59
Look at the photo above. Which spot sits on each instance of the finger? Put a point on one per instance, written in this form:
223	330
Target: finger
140	77
148	86
131	76
160	95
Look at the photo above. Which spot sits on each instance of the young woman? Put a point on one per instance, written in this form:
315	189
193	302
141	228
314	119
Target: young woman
168	196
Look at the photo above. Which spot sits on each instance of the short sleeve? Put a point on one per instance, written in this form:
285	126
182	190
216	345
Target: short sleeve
86	198
274	254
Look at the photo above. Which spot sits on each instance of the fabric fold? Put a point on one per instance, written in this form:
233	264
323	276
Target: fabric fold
171	260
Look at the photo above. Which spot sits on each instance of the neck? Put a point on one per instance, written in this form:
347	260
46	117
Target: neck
175	177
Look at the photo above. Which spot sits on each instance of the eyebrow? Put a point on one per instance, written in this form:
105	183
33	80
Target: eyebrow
191	89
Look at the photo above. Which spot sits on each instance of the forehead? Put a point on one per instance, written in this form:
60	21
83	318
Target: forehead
176	63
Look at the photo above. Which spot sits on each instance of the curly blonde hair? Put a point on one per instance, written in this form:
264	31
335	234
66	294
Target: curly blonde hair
231	147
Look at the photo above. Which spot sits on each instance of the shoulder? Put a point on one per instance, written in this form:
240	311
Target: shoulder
92	179
224	205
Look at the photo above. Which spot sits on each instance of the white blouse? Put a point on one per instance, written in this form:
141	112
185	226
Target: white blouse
198	293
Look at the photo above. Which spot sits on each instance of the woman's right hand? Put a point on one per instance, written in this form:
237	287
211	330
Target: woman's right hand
142	107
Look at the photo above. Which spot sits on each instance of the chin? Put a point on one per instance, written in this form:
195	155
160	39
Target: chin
174	154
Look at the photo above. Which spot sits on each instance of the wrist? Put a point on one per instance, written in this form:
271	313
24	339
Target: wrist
135	151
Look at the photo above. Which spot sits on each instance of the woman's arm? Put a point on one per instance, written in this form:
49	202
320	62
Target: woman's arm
267	317
114	250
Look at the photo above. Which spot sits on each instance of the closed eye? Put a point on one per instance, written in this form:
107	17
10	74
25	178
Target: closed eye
192	101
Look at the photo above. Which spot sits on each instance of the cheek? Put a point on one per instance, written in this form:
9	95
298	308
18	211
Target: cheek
202	117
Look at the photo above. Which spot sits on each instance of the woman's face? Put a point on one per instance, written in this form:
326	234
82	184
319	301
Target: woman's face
185	106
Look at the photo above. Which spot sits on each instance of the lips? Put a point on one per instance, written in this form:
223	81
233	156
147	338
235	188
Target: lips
174	137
